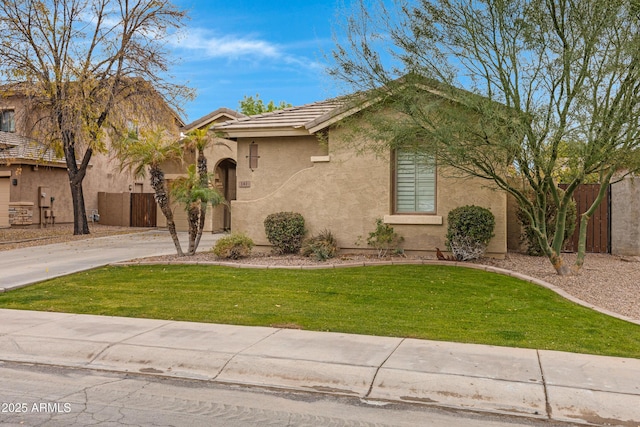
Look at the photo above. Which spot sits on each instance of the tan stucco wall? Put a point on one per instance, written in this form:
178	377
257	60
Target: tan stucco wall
114	208
625	217
514	228
346	194
105	175
30	179
5	178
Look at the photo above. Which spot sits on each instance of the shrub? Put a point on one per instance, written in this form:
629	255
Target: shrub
469	230
322	247
384	239
285	231
529	237
233	246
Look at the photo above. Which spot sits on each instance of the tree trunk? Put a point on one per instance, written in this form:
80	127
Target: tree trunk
171	226
562	269
202	215
202	173
194	232
584	222
76	177
162	198
554	256
80	223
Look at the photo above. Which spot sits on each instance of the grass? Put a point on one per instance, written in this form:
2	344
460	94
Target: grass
428	302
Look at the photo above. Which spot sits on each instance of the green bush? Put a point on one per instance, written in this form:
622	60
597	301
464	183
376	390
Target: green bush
529	237
233	246
469	230
385	239
322	247
285	231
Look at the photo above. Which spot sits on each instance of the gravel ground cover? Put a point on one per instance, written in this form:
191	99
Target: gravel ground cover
607	281
24	237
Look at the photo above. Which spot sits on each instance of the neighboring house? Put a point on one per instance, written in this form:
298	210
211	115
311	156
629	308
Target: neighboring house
30	176
221	157
34	178
297	160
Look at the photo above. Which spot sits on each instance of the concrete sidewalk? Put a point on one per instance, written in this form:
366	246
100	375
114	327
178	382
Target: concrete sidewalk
530	383
21	267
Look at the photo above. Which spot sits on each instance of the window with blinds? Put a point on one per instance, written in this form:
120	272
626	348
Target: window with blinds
415	183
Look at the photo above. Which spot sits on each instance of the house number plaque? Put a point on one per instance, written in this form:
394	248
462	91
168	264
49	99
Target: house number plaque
244	184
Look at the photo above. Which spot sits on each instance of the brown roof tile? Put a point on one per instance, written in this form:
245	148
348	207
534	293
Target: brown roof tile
293	117
19	149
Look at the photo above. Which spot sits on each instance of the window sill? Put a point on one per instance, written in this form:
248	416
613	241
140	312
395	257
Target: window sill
413	219
320	159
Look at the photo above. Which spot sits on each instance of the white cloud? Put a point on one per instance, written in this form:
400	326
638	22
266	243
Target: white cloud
230	46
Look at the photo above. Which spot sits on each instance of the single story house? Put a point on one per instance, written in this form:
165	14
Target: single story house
297	159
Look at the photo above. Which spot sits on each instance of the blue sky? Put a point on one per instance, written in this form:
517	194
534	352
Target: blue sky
243	47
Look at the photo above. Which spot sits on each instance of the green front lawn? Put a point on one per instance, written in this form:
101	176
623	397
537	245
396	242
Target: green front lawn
429	302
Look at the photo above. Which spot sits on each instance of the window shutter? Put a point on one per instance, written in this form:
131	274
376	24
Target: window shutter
253	156
415	183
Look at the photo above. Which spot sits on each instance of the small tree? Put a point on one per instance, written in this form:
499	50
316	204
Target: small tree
195	193
83	67
199	140
149	151
548	84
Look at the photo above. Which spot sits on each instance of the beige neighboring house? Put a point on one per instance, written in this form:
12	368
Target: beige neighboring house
31	176
34	184
221	157
297	160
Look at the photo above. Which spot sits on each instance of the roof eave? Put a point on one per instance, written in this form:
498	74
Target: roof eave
211	117
265	132
32	162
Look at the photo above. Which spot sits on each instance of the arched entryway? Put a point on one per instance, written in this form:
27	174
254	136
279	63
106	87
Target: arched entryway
225	174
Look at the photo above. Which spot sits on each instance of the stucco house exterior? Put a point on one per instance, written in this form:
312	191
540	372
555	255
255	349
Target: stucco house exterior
31	173
297	160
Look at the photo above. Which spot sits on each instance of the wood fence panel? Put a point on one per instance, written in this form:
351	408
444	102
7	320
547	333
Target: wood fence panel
599	228
143	210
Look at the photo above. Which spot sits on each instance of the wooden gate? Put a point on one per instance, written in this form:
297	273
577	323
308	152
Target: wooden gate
599	228
143	210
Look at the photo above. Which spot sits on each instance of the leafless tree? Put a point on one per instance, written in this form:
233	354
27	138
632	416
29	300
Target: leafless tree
88	69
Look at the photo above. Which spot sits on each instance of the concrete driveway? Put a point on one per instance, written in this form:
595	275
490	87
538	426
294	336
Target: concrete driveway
21	267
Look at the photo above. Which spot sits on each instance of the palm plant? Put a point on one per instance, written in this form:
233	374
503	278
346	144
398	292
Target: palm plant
199	140
194	193
149	151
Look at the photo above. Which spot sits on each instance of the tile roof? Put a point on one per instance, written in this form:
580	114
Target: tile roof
212	116
293	117
9	139
18	149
